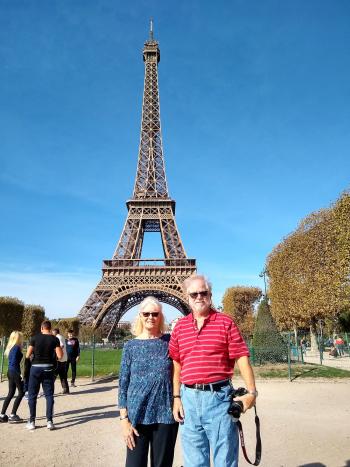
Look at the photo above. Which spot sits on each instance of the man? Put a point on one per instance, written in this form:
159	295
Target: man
46	349
204	347
61	370
73	354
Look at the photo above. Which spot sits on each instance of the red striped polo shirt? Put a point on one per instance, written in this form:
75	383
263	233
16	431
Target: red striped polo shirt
207	355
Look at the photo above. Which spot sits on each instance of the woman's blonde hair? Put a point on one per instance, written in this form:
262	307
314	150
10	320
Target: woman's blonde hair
137	326
16	337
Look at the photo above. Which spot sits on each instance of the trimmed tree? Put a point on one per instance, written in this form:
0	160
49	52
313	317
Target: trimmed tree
238	302
11	313
65	324
268	343
33	316
309	271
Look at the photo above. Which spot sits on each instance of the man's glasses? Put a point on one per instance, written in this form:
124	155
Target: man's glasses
147	314
203	293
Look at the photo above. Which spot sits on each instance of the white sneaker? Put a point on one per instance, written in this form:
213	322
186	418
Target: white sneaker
30	425
50	426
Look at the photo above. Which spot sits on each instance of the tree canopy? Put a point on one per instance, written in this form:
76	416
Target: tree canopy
11	313
33	316
238	302
309	271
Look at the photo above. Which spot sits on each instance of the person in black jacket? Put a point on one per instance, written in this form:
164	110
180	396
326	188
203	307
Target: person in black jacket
73	354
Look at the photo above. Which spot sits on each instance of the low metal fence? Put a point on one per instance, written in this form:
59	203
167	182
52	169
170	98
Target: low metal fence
99	360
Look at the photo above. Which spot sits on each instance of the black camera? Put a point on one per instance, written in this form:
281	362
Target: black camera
236	407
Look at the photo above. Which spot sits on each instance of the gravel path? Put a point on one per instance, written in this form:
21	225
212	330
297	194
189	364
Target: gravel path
303	424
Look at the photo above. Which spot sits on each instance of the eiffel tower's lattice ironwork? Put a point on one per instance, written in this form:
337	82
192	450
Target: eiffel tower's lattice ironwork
126	278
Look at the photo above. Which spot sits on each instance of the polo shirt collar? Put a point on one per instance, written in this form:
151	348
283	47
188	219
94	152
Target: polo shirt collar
210	317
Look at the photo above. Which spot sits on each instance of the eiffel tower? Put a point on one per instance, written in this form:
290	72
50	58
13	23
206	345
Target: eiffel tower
126	278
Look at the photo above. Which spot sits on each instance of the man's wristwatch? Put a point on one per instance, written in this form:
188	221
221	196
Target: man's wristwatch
253	393
176	397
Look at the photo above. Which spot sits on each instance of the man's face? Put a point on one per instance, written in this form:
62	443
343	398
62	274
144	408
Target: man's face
70	335
199	302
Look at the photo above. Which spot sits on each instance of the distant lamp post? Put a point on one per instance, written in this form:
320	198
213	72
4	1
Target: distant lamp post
263	274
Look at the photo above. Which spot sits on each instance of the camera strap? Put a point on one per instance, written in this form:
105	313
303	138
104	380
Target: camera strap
258	440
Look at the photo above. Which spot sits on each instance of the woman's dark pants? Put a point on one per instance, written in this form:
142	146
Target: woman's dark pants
161	437
15	381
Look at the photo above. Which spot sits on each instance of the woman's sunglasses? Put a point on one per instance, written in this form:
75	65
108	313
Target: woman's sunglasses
147	314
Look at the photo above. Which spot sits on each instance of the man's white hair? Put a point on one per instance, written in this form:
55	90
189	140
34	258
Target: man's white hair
187	282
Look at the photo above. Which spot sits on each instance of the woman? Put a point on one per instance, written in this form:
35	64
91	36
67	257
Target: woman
14	353
145	391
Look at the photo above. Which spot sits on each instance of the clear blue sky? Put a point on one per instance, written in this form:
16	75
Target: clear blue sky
255	109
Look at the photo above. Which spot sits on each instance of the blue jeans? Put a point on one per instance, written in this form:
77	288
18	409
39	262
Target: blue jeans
46	377
208	427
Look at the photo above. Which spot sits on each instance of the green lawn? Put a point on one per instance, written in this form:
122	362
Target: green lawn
299	371
107	361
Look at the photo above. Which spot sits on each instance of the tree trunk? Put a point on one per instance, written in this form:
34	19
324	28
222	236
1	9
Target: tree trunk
313	335
296	336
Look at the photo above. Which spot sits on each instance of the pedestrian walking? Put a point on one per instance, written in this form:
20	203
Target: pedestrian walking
73	354
14	353
61	369
46	349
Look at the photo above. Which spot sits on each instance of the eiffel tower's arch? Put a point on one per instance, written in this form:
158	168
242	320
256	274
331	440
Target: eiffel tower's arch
126	278
119	305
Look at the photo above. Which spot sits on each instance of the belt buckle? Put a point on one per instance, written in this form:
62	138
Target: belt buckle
199	386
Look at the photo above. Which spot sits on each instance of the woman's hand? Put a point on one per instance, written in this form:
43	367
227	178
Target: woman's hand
128	433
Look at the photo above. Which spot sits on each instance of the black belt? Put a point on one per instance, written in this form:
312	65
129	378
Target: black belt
210	386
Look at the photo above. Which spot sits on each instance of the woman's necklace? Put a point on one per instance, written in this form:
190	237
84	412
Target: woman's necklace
147	336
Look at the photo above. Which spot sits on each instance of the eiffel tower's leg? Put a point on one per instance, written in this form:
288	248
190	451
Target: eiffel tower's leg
130	242
171	239
118	312
93	306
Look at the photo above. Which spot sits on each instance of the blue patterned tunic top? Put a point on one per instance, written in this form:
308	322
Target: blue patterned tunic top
145	381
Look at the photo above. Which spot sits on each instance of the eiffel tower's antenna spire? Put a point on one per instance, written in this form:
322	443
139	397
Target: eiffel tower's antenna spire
151	38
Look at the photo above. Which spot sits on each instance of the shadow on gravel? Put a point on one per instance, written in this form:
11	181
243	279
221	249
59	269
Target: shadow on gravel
84	409
313	464
92	390
79	420
319	464
295	377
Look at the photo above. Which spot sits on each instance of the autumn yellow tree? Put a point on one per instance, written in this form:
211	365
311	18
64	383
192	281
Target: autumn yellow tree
238	302
309	270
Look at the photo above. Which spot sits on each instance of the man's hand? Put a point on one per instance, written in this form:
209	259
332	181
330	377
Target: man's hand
178	410
77	359
248	377
248	401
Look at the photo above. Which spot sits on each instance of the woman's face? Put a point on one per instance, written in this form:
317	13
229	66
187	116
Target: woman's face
150	316
19	340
